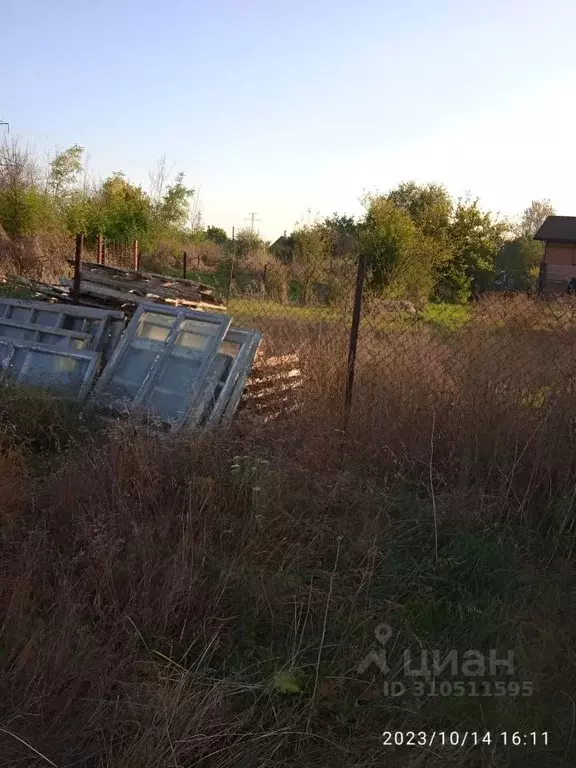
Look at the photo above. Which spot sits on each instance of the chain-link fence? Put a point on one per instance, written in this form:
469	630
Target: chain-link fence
362	348
358	345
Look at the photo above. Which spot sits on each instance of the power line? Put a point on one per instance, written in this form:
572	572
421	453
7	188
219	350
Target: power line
252	218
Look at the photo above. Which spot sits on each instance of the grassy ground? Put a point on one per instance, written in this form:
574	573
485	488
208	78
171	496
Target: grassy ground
209	601
224	599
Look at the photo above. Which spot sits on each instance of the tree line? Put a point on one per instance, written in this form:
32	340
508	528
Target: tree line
419	243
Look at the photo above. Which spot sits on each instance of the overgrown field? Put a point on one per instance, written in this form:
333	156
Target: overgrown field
209	601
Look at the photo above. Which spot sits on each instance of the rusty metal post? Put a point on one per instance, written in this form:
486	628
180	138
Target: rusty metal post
184	264
77	267
136	254
99	249
264	276
231	270
354	335
103	257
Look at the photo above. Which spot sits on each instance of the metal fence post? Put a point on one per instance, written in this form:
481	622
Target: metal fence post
77	267
354	335
136	254
184	264
100	250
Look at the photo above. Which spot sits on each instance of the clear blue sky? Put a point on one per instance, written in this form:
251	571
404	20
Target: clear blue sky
283	106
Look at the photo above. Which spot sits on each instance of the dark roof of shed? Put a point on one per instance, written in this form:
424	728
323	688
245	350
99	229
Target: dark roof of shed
282	244
558	229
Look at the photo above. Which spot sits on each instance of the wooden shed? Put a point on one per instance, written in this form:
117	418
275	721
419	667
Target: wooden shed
558	267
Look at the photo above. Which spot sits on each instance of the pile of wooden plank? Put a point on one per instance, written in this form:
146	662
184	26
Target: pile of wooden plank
273	389
119	288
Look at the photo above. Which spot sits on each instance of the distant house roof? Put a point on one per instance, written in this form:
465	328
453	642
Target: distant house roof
558	229
280	242
282	248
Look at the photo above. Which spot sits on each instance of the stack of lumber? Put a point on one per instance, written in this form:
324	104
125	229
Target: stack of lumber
273	389
117	287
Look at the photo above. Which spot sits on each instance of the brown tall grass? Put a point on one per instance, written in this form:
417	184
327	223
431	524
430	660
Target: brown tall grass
206	600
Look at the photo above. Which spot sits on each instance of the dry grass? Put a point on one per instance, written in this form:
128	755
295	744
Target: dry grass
43	258
206	601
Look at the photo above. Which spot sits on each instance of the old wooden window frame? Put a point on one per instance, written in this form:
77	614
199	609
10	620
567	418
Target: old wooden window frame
43	330
231	392
193	411
111	322
88	356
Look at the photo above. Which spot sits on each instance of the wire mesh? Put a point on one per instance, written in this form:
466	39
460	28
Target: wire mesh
518	347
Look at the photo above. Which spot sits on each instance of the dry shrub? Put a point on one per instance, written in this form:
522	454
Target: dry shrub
207	256
276	282
205	600
160	599
41	257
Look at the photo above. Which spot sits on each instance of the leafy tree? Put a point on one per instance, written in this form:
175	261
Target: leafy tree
216	235
26	210
386	236
174	208
342	232
402	260
533	217
310	257
340	224
519	258
475	240
429	206
247	243
121	211
519	261
65	170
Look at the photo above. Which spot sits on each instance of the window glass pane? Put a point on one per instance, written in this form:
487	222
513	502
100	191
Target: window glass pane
187	341
123	389
179	374
154	326
167	405
196	334
219	372
49	370
131	371
17	333
229	348
174	385
21	314
49	319
73	323
54	339
78	344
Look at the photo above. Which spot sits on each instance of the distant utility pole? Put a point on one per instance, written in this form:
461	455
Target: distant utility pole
251	218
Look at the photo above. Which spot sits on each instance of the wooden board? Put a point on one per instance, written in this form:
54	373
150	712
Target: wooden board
144	280
273	387
123	297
